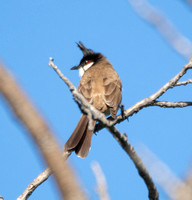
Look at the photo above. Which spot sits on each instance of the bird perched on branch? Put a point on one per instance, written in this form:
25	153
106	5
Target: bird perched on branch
101	86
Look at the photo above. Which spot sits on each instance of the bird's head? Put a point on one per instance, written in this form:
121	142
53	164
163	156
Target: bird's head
90	58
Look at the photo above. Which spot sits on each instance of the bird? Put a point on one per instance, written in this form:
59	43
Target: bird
101	87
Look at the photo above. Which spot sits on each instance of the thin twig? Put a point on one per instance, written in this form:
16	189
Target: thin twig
149	101
167	104
35	183
184	82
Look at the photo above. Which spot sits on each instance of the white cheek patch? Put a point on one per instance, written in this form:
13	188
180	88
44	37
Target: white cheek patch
81	71
85	68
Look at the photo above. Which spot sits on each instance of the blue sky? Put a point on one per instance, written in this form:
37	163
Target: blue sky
33	31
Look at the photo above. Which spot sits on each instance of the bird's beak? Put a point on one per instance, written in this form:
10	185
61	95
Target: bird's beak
75	67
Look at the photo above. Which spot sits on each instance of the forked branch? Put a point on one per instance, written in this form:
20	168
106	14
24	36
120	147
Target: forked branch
87	108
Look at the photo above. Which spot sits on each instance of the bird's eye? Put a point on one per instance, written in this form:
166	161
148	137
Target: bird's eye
87	62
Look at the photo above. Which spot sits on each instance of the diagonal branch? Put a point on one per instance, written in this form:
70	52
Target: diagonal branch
83	104
143	172
86	107
35	183
149	101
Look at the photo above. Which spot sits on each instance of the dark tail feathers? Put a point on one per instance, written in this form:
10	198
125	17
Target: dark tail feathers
80	140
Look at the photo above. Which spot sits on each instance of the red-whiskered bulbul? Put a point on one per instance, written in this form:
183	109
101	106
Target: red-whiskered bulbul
101	86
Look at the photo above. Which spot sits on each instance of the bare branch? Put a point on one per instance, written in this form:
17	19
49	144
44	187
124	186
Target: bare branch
146	11
138	106
149	101
89	109
143	172
101	181
35	183
167	104
184	82
153	194
85	105
41	134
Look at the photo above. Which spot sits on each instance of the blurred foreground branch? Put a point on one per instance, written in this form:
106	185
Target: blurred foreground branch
42	177
101	181
174	187
189	2
153	16
41	134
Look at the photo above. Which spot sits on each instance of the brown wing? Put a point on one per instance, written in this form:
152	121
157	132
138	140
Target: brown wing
110	91
85	89
113	86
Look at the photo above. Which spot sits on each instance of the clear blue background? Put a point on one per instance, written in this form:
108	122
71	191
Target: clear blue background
32	31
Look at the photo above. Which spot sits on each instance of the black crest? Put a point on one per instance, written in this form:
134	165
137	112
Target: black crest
85	51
